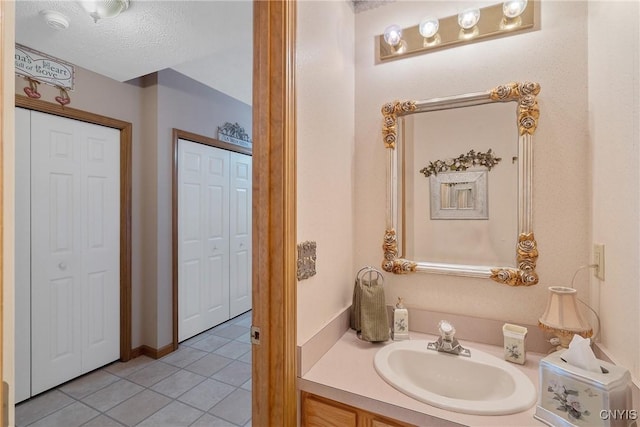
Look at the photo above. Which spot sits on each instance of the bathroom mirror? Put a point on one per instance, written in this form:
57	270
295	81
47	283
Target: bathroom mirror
475	151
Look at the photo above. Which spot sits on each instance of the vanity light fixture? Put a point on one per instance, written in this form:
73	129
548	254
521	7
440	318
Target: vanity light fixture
100	9
429	27
499	20
393	35
562	317
513	8
467	19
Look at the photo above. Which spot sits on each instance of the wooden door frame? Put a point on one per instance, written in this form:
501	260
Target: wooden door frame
274	214
199	139
125	129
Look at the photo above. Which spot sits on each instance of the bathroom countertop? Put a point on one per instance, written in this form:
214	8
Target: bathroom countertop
346	374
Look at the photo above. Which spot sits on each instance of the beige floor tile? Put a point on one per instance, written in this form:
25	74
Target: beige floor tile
176	384
40	406
110	396
235	373
184	356
209	365
208	420
235	408
139	407
73	415
175	414
230	331
210	343
123	369
246	358
102	421
151	374
206	394
87	384
210	372
233	350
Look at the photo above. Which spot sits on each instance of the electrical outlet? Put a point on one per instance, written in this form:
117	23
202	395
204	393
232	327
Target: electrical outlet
598	260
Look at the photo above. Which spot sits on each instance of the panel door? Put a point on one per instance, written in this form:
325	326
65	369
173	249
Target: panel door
74	249
203	238
23	256
240	226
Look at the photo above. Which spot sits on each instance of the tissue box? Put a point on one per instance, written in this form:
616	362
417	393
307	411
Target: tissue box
572	396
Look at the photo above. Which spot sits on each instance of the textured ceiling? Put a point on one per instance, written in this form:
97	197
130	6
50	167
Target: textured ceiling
207	40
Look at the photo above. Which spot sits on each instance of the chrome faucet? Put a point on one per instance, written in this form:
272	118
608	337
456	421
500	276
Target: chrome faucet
447	343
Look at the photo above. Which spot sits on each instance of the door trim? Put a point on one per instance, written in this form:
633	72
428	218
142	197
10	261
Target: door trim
199	139
125	129
274	214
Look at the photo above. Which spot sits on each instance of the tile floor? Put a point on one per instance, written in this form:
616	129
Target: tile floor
205	383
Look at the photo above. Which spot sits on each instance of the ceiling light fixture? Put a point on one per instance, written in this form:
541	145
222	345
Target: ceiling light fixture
100	9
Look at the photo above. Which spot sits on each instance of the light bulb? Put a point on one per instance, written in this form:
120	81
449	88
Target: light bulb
429	26
513	8
468	18
393	35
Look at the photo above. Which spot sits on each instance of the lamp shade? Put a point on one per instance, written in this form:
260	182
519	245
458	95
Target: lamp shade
562	315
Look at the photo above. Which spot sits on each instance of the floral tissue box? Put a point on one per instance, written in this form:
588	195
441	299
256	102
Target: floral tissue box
572	396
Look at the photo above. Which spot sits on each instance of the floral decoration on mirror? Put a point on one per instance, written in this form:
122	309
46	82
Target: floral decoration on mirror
390	112
525	274
525	93
391	262
462	163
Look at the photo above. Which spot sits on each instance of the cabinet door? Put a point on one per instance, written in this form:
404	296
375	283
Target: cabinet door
240	238
380	421
317	412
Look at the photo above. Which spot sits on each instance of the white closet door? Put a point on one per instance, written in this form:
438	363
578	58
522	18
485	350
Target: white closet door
23	256
203	238
100	215
240	225
74	248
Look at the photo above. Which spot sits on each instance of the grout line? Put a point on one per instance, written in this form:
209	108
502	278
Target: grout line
120	377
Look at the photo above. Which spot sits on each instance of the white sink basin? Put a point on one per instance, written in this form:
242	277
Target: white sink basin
481	384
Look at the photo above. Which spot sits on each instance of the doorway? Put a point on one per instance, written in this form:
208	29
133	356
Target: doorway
212	184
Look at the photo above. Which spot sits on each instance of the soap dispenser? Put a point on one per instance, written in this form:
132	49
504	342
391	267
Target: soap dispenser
400	322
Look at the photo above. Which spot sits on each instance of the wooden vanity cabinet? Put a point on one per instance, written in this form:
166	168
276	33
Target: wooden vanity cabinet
319	411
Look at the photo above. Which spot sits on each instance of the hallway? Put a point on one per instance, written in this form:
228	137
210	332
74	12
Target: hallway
205	383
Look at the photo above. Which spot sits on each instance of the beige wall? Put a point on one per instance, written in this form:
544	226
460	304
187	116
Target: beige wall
154	105
101	95
190	106
614	127
556	57
325	158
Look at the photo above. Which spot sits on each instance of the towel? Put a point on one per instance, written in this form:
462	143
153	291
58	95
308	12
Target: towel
369	311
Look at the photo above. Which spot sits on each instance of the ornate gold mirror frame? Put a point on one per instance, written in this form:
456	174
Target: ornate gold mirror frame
524	94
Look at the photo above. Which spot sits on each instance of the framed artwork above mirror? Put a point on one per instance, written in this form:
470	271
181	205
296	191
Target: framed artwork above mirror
462	234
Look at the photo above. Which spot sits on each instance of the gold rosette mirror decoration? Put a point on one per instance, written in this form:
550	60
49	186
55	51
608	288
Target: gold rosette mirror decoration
524	95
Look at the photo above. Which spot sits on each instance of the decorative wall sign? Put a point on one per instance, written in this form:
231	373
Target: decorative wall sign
43	68
233	133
